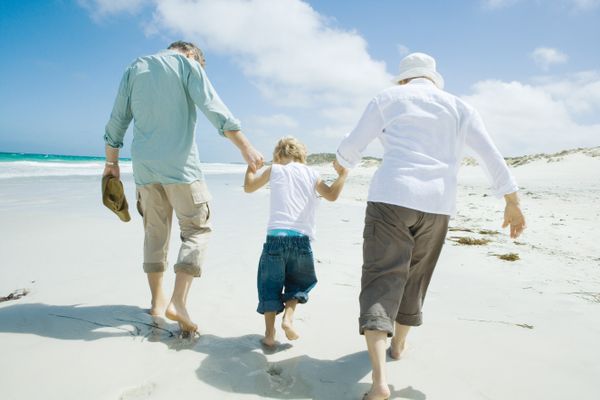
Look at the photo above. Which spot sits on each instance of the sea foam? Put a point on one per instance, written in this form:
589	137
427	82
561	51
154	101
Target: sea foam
31	169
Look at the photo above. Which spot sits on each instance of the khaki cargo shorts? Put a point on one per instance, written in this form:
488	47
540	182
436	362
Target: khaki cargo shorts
156	203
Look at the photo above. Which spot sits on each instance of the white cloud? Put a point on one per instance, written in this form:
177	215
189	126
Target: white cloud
102	8
544	57
580	93
583	5
530	118
289	51
265	129
275	121
283	45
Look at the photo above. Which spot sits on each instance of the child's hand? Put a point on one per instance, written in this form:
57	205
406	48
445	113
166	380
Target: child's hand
339	169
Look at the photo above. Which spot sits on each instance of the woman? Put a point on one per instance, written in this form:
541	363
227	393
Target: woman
424	131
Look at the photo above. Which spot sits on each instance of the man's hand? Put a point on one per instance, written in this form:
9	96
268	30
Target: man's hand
112	162
513	216
253	158
112	170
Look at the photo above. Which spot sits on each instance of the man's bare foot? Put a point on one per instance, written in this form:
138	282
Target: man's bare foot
158	306
179	314
269	339
396	348
379	392
289	330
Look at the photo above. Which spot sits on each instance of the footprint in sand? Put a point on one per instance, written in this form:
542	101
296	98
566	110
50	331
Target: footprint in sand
280	382
138	393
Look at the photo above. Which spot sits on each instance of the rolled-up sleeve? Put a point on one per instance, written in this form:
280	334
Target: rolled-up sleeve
121	115
208	101
478	139
369	127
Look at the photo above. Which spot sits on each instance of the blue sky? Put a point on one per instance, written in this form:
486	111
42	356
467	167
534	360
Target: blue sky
305	68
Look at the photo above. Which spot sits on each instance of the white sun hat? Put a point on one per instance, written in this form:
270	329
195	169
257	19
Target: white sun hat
419	64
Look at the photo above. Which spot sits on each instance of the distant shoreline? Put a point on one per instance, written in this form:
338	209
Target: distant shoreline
312	159
14	156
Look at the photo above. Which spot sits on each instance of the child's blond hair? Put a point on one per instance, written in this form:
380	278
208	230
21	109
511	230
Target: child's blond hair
289	148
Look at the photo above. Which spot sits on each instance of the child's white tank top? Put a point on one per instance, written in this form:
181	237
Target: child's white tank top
294	198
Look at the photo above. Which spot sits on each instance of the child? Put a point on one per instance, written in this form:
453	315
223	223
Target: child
286	271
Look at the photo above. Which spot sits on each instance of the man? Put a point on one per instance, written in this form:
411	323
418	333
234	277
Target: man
424	131
160	93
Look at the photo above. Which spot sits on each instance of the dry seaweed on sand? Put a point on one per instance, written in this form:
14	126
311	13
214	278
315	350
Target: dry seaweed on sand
469	241
16	295
592	297
488	232
508	256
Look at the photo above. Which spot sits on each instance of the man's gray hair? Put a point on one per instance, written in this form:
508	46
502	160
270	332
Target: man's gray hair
188	49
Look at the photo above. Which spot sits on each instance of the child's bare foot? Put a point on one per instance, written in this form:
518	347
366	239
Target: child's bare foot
379	392
396	348
178	313
289	330
269	339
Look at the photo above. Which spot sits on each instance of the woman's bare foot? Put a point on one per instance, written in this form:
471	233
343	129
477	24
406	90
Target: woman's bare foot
269	339
178	313
379	392
396	348
289	330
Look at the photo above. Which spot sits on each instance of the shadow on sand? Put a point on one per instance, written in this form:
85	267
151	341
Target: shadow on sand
237	365
234	364
80	322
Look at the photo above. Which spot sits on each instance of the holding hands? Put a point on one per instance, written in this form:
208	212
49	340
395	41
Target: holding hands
253	158
339	169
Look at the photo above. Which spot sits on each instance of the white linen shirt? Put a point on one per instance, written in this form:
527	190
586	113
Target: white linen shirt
423	131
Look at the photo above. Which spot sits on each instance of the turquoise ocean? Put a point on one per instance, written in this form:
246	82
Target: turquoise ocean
16	157
27	165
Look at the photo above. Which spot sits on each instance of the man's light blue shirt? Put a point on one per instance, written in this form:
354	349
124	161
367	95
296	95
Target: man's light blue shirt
160	93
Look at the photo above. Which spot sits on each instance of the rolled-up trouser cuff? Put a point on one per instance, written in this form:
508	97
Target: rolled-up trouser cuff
155	267
302	297
275	306
410	320
189	269
375	323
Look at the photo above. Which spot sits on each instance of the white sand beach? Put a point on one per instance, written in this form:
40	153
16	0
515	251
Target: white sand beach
493	329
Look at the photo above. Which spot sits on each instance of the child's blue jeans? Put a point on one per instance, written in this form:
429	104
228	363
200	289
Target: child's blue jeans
286	271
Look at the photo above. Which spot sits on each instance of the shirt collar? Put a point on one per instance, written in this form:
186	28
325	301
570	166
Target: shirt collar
170	51
421	81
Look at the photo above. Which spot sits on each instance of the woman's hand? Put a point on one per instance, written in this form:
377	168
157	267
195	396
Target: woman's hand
339	169
513	216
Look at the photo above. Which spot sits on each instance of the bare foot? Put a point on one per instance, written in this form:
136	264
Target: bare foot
396	349
179	314
289	330
378	393
158	306
269	339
